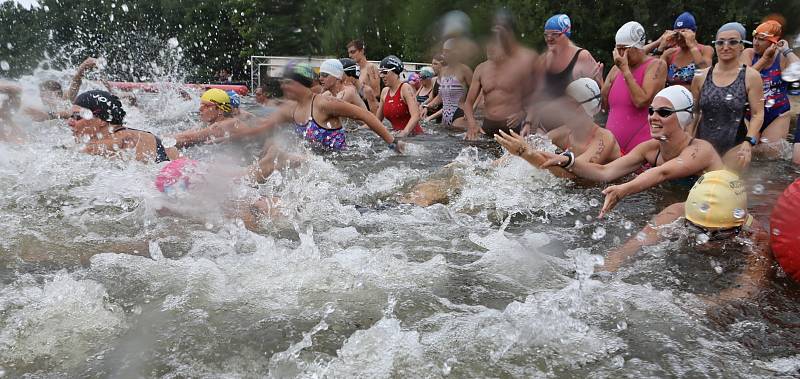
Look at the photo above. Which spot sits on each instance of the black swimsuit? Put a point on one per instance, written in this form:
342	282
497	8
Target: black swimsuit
555	83
161	152
683	182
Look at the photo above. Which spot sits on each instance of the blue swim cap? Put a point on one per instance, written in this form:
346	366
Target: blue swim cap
685	21
559	23
235	100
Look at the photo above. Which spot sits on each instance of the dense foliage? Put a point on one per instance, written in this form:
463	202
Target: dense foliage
147	38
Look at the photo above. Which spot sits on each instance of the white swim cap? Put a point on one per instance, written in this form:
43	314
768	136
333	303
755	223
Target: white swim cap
631	35
681	98
586	92
332	67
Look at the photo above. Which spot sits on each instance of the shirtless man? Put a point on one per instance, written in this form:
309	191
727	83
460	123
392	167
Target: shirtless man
369	72
506	80
563	62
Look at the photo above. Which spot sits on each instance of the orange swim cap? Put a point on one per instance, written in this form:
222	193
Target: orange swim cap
770	30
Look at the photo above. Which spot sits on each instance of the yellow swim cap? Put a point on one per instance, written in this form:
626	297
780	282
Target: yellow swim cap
218	97
718	200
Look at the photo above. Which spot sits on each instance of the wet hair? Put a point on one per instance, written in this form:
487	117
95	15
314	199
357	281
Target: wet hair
503	17
50	85
357	43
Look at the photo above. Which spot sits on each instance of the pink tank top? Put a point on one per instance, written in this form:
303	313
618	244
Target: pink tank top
629	124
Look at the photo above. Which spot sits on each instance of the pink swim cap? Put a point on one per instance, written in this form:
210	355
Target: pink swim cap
176	175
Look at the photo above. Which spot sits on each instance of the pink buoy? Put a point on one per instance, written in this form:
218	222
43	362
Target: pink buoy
176	175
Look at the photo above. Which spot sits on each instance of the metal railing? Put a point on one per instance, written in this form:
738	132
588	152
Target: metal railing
273	66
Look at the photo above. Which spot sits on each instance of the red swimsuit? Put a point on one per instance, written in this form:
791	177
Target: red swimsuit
396	111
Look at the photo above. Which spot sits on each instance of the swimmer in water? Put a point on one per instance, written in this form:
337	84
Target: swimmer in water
331	73
55	100
97	120
9	104
236	111
398	102
681	52
315	118
581	135
351	74
217	112
672	154
454	82
771	55
189	177
715	210
724	94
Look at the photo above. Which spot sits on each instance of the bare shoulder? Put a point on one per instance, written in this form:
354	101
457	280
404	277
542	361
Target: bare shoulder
586	56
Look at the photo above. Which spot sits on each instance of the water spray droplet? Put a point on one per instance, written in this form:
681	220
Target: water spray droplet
5	66
701	238
124	8
739	213
593	203
627	225
758	189
599	233
173	43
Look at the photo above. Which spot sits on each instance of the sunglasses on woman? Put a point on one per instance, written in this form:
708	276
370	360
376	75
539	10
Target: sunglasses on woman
666	112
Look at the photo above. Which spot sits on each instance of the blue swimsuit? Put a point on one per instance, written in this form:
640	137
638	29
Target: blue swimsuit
333	139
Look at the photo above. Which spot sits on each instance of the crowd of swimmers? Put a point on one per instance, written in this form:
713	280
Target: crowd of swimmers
676	111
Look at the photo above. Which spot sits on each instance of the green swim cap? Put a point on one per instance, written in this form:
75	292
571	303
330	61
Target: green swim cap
299	72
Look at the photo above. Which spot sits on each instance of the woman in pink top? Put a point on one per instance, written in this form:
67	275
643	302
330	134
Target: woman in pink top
630	87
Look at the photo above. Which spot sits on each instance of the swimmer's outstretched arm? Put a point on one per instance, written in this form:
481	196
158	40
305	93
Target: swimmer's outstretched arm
647	236
611	171
77	80
516	145
339	108
281	115
197	136
691	161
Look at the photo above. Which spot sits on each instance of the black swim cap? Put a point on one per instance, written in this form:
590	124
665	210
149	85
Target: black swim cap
392	63
350	67
300	72
103	105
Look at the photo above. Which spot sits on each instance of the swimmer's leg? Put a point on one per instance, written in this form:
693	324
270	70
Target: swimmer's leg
771	145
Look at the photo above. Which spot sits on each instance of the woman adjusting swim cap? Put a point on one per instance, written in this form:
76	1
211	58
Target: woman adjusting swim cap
770	30
332	67
219	97
631	34
103	105
587	93
392	63
559	23
685	21
682	102
718	200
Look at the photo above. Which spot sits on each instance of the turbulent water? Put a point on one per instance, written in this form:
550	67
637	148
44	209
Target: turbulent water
348	282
